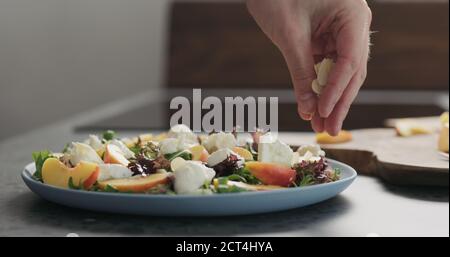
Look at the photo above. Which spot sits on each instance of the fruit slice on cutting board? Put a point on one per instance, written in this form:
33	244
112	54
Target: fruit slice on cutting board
199	153
443	139
407	128
136	184
114	155
342	137
244	153
271	173
56	173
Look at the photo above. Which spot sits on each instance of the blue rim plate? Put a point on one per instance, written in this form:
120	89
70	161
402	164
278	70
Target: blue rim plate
190	205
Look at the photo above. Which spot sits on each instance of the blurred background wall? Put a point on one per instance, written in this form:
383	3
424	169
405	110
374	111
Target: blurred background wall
60	57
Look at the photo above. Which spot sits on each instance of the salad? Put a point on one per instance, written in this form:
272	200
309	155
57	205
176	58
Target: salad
181	162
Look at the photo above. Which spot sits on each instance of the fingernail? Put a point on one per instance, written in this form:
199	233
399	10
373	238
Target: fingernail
306	116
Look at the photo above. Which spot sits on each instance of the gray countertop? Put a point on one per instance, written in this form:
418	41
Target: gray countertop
367	207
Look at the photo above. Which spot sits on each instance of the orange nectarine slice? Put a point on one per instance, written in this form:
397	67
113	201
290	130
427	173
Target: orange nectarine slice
136	184
271	173
58	174
199	153
342	137
114	155
244	153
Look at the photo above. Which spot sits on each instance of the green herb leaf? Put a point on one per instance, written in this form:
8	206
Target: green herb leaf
249	147
336	174
109	135
71	185
245	176
136	149
183	154
223	181
236	177
66	148
229	189
206	184
39	159
308	180
110	189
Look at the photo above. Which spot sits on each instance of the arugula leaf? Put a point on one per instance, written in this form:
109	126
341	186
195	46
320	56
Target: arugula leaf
308	180
244	175
95	187
229	189
71	185
39	159
336	174
223	187
110	189
249	147
183	154
206	185
66	148
109	135
236	177
136	149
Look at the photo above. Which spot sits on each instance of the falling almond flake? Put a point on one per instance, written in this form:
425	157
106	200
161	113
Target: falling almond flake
317	67
316	87
325	68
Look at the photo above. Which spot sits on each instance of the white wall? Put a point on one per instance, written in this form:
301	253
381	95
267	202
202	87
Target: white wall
60	57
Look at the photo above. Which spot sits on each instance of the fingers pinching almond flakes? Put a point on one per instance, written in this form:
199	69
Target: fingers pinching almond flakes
323	70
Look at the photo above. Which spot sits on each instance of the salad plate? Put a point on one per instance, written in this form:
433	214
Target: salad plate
193	205
179	173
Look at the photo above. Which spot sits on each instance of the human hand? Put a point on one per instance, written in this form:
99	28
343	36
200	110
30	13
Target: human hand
306	31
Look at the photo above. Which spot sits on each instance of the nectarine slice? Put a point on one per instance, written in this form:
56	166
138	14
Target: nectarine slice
244	153
342	137
56	173
114	155
443	139
199	153
271	173
136	184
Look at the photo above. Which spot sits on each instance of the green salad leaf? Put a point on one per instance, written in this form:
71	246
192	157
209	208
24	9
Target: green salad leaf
249	147
66	148
110	189
71	185
224	188
308	180
244	175
39	159
183	154
109	135
230	189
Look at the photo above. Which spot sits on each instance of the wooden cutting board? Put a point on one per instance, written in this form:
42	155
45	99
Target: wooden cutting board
398	160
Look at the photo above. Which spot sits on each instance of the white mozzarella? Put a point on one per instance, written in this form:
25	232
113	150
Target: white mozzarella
272	150
79	152
218	141
191	176
113	171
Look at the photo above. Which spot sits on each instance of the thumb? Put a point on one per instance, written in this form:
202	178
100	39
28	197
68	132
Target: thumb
300	63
